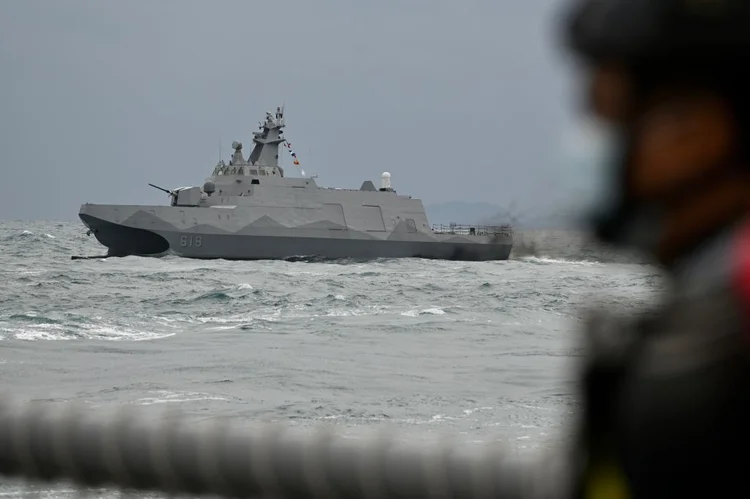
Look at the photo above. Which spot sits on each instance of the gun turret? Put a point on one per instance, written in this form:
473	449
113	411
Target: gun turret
172	194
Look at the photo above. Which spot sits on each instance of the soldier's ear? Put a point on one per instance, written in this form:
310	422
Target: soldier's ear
610	92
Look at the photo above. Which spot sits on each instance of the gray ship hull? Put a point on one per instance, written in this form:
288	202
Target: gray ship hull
142	234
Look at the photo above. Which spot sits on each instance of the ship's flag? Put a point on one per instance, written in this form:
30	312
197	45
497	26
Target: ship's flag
294	155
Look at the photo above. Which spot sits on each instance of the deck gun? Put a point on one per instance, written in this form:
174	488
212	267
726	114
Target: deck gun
172	194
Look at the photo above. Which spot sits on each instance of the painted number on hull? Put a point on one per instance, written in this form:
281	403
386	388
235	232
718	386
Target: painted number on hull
196	241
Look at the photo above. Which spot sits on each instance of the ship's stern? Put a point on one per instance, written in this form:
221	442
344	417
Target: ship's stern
121	238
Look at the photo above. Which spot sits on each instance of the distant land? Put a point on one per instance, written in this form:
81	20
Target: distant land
466	212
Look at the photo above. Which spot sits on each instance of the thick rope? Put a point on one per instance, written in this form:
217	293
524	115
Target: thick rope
44	443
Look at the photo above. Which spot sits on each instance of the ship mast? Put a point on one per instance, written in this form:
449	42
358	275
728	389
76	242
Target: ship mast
267	140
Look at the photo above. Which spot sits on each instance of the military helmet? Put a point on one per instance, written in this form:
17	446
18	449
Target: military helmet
642	50
671	32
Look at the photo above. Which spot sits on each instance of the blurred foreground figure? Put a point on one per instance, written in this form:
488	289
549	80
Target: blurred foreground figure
668	394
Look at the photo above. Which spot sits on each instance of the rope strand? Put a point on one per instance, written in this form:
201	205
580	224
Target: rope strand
178	458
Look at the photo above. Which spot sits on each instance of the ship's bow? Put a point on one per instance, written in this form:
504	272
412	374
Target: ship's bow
118	234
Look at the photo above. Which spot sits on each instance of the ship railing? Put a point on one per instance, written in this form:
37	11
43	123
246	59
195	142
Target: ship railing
473	230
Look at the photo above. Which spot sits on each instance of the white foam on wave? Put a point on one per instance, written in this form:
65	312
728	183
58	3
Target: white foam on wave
36	335
30	233
296	311
59	332
475	409
261	315
169	397
522	435
221	328
355	312
435	419
426	311
166	321
556	261
106	332
30	272
343	313
302	311
54	332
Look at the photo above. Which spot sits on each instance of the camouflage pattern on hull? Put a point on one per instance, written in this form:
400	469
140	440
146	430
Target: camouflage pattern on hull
249	210
123	240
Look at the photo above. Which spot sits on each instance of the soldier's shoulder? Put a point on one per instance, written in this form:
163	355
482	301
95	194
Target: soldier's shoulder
741	265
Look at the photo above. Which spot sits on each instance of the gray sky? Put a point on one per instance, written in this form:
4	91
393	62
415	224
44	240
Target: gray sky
458	100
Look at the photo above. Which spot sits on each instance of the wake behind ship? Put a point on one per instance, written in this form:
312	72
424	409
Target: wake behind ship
249	210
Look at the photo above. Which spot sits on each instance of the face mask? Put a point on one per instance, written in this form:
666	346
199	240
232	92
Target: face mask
587	175
591	183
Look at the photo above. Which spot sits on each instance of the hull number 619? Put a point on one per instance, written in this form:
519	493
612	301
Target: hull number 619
196	241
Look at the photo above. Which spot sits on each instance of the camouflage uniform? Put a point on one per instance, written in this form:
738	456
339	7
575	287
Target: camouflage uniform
667	398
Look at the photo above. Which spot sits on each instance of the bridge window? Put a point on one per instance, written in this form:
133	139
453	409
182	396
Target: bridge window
255	181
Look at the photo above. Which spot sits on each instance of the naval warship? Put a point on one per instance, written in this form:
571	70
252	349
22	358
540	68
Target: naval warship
249	209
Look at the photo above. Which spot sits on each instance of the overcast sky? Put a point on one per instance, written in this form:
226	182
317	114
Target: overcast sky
458	100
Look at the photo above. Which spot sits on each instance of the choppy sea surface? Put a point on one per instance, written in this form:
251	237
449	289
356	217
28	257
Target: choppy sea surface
484	351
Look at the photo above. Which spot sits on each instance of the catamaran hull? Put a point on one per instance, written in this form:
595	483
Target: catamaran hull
276	244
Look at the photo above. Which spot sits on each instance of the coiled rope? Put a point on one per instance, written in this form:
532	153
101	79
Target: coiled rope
174	456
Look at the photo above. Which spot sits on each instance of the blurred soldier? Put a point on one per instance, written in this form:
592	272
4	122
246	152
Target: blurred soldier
667	394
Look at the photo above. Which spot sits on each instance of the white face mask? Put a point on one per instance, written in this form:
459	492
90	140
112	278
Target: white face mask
587	177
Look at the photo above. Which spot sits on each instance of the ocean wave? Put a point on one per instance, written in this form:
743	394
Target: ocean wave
569	246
